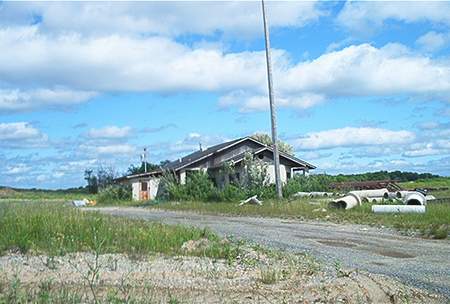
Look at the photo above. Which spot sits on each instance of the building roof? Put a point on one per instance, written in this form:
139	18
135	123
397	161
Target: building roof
238	158
202	154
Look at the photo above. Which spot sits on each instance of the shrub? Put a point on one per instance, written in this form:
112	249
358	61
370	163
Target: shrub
301	183
230	193
198	186
170	188
114	193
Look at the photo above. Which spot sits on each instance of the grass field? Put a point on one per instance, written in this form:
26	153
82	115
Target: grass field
25	194
56	229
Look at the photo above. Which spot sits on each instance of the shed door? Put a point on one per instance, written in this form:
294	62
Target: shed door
143	195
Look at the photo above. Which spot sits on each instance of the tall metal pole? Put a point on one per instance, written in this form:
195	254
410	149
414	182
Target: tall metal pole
273	114
145	160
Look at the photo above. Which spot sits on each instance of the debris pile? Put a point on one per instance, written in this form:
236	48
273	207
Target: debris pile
252	200
83	203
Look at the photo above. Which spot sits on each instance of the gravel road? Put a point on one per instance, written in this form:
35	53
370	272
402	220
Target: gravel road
414	261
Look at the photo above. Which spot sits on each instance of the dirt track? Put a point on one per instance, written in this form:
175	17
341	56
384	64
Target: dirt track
414	261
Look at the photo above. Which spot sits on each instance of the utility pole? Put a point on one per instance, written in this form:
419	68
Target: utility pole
144	159
273	114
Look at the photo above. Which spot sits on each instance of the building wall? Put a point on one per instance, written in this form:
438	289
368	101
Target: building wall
152	187
235	150
271	173
135	186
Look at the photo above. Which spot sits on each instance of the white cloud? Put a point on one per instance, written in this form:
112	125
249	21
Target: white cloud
357	70
174	18
248	102
109	132
363	70
433	41
349	136
121	63
21	135
18	101
113	149
440	146
18	169
360	16
418	150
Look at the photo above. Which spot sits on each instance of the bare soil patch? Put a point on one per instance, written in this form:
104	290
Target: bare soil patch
156	279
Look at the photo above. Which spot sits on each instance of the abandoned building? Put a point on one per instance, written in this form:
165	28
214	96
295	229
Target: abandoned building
145	185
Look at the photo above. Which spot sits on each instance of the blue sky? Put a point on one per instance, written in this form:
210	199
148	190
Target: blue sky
360	86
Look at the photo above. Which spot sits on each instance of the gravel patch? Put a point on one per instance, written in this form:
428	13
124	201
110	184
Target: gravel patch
157	279
414	261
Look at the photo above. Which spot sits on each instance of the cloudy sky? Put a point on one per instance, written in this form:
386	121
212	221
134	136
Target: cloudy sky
360	86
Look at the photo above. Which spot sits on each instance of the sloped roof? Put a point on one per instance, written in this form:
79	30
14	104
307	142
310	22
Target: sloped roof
240	157
201	154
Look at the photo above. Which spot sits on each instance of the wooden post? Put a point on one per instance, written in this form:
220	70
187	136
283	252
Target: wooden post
273	114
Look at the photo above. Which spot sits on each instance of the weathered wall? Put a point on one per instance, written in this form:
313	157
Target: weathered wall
135	186
153	186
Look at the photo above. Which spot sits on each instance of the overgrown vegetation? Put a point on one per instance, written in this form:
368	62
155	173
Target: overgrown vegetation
55	229
267	140
301	183
114	194
99	179
200	187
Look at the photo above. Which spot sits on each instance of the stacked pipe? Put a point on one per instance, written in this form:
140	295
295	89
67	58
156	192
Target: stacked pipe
356	198
413	201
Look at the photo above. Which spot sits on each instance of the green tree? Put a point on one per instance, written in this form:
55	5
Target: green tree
267	140
91	180
136	169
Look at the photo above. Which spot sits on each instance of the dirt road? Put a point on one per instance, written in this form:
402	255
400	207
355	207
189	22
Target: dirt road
414	261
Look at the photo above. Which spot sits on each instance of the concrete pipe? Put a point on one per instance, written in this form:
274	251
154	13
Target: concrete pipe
391	195
346	202
376	199
403	193
397	209
371	193
301	194
317	193
430	197
415	198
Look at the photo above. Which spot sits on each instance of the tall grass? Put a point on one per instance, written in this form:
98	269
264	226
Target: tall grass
56	229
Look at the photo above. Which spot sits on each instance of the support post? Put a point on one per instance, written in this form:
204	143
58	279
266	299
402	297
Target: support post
273	114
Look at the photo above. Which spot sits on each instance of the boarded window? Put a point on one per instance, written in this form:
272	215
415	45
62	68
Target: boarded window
144	186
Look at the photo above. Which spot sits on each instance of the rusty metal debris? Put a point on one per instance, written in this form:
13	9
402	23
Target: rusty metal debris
391	185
